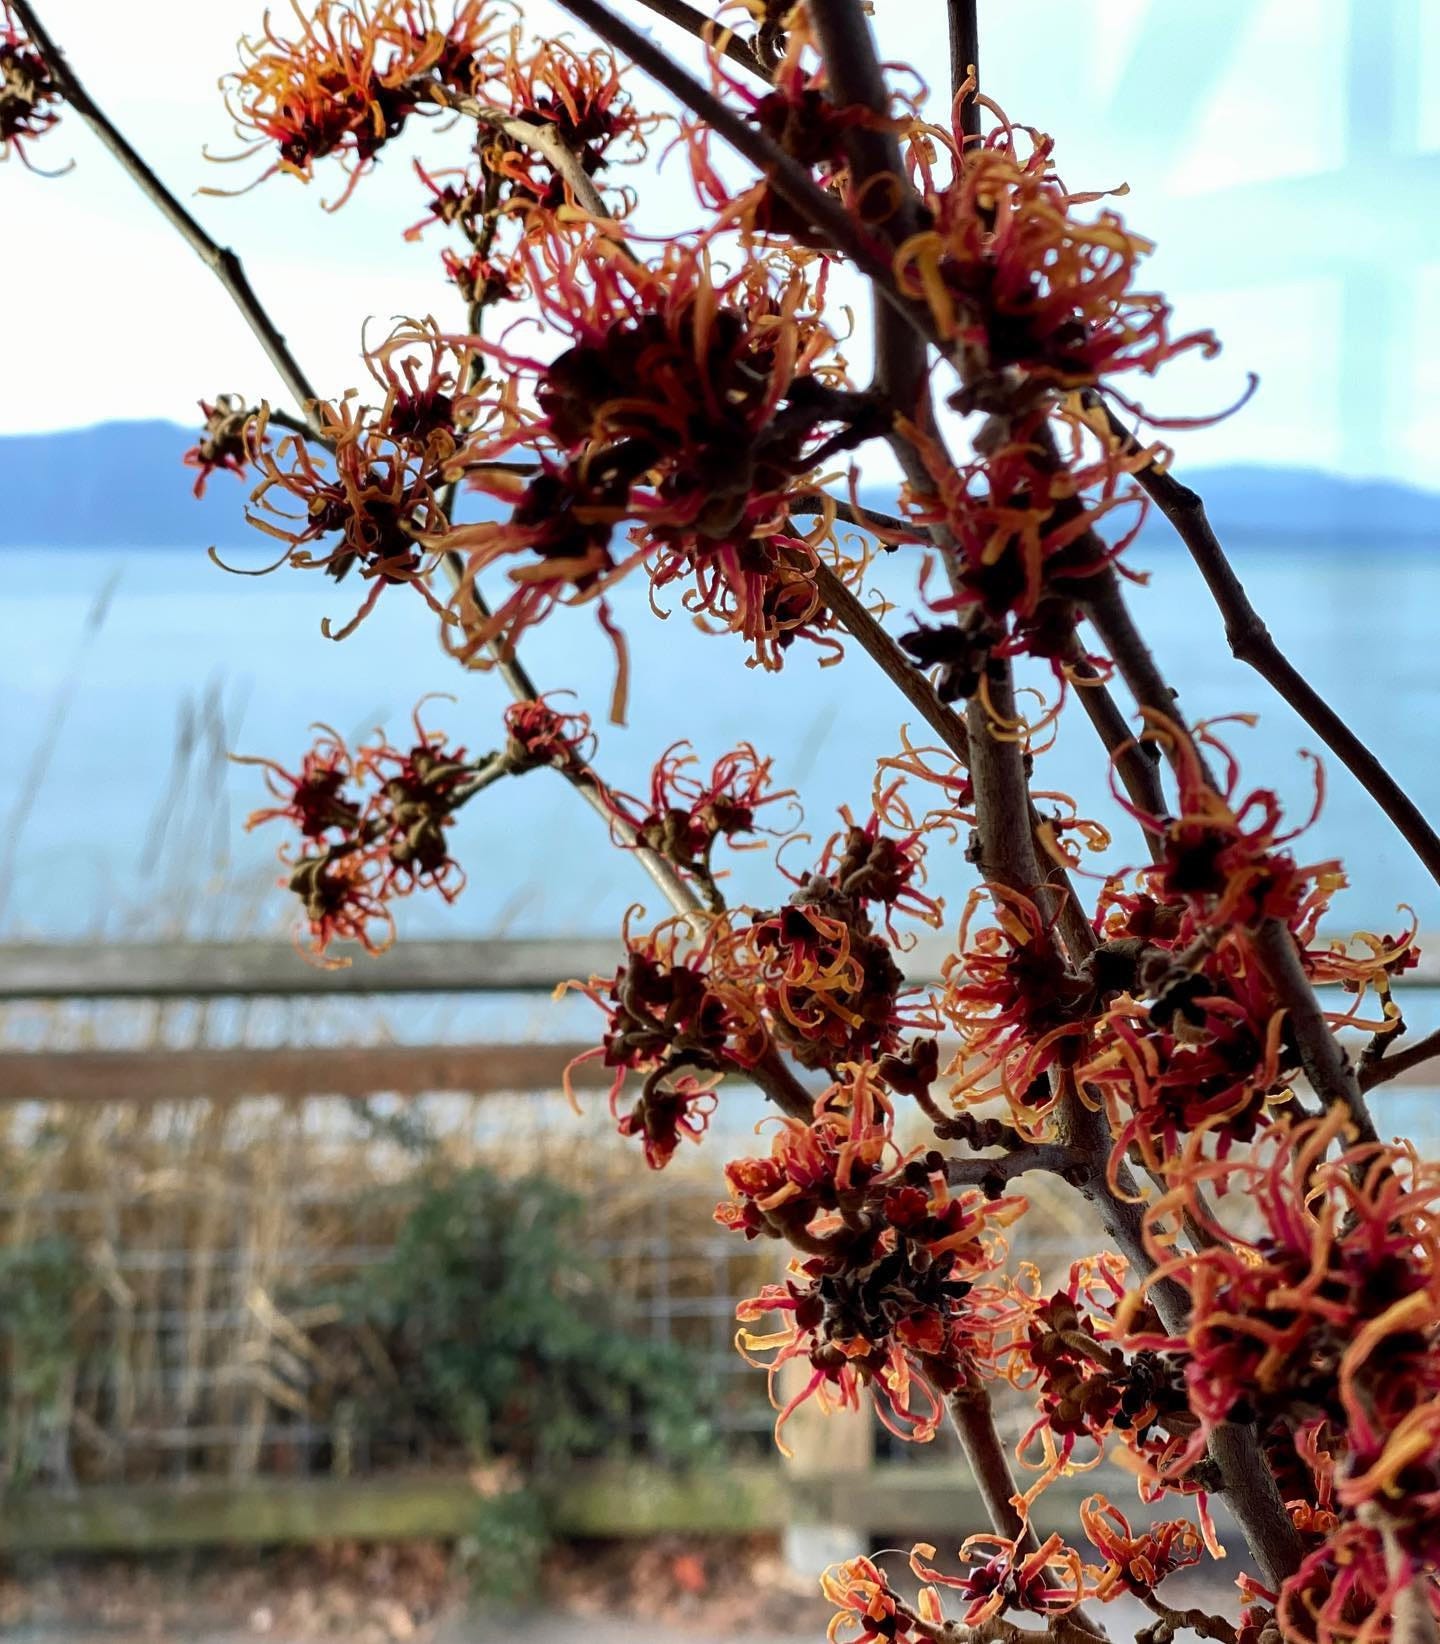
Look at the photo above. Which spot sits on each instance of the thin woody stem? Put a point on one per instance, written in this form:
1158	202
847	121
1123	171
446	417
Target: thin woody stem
546	143
222	262
1326	1064
973	1419
707	29
964	56
1055	1158
1200	1622
1250	642
1136	763
866	519
882	649
1382	1069
854	78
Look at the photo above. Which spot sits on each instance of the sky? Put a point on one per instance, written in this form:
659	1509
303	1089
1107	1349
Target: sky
1284	155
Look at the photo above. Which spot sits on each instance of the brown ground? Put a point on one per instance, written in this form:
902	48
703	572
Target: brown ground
414	1594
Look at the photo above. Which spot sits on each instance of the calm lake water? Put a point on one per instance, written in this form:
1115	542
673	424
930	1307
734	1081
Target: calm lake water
113	661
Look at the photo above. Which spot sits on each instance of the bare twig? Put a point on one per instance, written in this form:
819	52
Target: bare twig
222	262
1136	763
1250	642
1384	1068
964	56
1413	1613
707	29
973	1419
867	519
1326	1064
881	648
547	143
1200	1622
1053	1157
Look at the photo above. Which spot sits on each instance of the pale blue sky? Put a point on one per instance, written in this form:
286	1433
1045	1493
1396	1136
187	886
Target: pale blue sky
1284	154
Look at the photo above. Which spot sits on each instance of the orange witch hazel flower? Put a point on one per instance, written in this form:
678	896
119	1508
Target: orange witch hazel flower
1046	1580
351	78
867	1607
1136	1563
370	496
580	96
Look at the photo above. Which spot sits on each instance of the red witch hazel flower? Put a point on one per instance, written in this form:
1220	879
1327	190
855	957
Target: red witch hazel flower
885	1294
1024	549
226	443
372	826
686	814
1223	855
1046	1580
349	82
540	734
801	120
1089	1391
674	1018
695	409
1019	1010
29	97
1315	1314
1011	273
826	977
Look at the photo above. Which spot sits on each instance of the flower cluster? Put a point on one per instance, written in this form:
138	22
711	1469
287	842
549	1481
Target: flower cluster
684	414
884	1291
694	407
1315	1315
552	120
802	121
1012	275
368	489
29	96
686	814
372	827
1095	1395
671	1014
348	82
576	96
1023	547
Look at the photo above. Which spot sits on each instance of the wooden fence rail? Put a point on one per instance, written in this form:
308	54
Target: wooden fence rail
141	1076
212	970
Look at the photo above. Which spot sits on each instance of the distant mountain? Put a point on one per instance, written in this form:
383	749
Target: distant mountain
122	484
116	485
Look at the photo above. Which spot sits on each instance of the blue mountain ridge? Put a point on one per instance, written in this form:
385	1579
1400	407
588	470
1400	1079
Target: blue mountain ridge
122	484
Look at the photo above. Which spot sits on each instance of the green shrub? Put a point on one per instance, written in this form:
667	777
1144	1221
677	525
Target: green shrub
504	1341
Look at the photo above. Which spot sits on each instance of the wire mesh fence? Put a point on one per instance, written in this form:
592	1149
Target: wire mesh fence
168	1278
